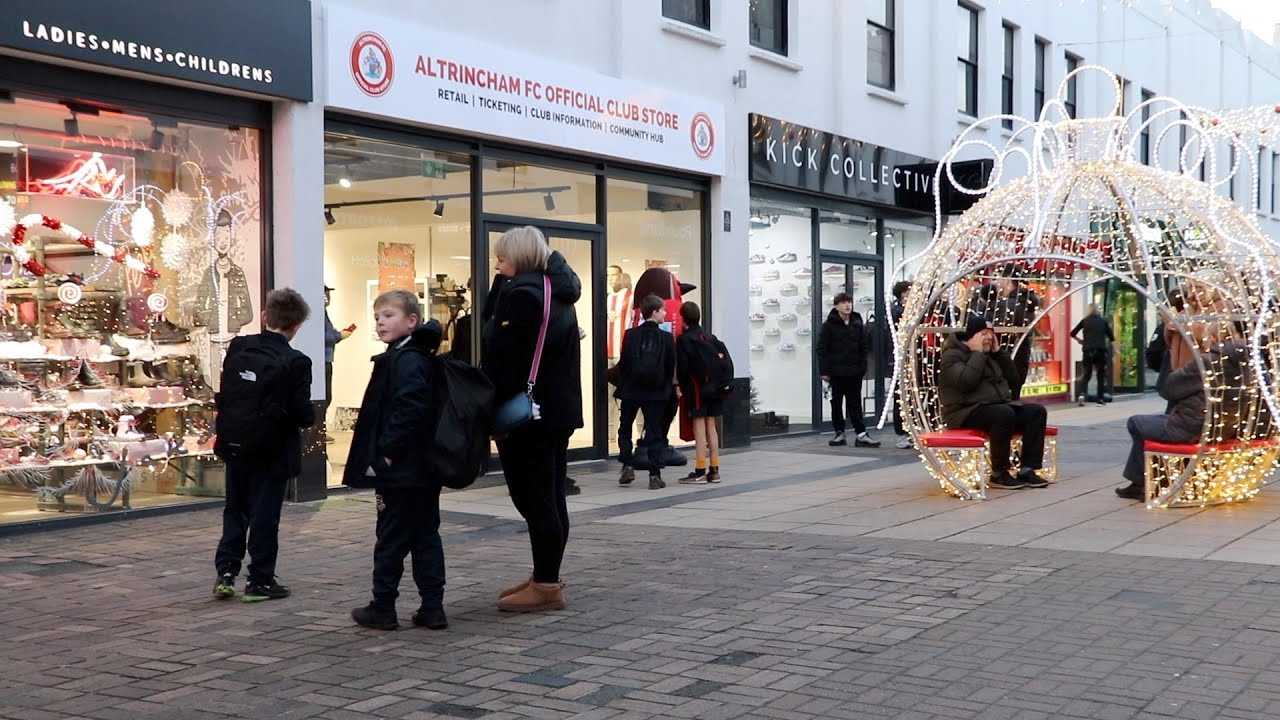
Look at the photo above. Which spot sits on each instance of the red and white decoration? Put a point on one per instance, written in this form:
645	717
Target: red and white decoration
37	223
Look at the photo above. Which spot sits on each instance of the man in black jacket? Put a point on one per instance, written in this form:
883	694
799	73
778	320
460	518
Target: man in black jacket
1096	353
1016	307
647	376
842	351
974	384
255	483
388	454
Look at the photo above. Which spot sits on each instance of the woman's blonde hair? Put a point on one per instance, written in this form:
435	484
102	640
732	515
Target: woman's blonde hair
525	248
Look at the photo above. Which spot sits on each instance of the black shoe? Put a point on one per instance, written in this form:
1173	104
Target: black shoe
571	487
225	586
655	482
375	618
865	440
258	592
1132	491
627	476
1032	479
1005	481
838	440
430	618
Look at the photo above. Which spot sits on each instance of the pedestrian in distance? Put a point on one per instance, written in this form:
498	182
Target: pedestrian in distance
537	288
389	454
1097	345
842	349
263	403
901	293
647	376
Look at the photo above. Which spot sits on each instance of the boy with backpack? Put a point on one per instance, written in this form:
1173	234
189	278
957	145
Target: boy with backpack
390	449
705	373
264	401
647	373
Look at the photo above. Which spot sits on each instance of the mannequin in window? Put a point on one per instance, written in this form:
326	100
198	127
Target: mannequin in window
223	303
618	307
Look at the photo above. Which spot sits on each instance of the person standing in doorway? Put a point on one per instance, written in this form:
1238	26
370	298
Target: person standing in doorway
1016	308
332	336
1098	342
842	351
901	292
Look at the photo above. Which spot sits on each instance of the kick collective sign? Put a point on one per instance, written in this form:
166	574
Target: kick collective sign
387	68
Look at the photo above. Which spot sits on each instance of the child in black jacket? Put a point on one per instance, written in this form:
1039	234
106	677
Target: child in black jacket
388	454
647	376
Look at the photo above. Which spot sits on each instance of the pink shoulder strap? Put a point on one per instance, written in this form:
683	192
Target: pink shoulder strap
542	331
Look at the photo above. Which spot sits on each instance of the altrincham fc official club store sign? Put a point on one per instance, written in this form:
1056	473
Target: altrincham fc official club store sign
250	45
388	68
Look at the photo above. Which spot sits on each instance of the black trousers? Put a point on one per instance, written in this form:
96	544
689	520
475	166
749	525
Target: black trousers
1001	421
251	517
656	422
1096	359
408	525
846	392
531	456
626	425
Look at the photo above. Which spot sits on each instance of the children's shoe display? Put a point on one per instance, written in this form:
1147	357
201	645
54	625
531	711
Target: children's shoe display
804	273
787	257
789	289
756	259
787	347
771	303
756	317
771	275
757	347
804	302
865	300
833	270
787	317
772	332
755	290
803	331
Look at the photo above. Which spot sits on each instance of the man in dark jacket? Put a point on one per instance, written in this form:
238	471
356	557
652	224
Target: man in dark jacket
842	350
255	484
647	377
1185	420
388	454
1096	352
974	388
1016	308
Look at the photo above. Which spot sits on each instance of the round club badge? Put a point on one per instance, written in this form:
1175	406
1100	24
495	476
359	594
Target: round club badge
371	64
157	302
702	135
69	293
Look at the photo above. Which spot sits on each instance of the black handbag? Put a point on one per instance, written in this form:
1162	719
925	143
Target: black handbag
518	409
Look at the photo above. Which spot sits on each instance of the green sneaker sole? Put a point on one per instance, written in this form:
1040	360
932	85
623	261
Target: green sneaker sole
224	591
255	598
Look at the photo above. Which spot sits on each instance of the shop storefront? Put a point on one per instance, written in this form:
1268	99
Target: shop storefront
436	144
134	239
829	215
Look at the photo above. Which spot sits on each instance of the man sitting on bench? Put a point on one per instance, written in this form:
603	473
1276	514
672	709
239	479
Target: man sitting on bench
974	389
1184	389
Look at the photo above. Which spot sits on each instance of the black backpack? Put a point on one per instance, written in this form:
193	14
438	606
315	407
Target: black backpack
642	359
1156	349
464	406
710	365
250	407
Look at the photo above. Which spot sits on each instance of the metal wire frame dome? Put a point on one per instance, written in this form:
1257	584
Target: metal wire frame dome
1087	210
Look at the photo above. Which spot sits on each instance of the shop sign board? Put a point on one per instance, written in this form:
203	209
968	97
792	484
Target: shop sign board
787	155
249	45
388	68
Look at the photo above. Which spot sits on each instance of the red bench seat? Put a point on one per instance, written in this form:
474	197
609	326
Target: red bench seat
965	438
1167	448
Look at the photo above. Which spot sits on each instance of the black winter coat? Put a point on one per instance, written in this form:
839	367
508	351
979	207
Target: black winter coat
967	379
285	461
843	347
513	314
1184	389
628	387
396	416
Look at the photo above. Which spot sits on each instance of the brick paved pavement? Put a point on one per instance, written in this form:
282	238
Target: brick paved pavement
116	621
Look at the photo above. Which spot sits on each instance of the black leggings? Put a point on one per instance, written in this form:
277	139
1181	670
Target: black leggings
533	461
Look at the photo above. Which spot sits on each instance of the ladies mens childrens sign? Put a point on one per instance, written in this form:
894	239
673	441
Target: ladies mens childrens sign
389	68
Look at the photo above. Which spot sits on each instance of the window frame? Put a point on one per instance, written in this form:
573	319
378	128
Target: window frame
1073	84
1010	34
967	65
891	7
703	7
781	30
1144	135
1041	74
1275	171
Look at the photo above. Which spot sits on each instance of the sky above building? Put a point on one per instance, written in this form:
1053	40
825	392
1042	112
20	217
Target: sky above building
1257	16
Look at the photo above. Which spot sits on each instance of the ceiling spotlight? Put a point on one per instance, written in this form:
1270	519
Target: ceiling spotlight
71	126
328	216
344	183
439	211
549	202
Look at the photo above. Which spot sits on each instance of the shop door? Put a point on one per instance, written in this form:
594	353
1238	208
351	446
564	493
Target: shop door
580	248
1124	310
862	279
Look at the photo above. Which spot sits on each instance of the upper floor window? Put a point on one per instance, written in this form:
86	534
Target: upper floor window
967	61
1042	57
1144	136
769	25
1006	79
880	60
1073	63
693	12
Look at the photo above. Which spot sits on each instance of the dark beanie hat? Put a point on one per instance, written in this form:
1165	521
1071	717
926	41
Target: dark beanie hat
976	324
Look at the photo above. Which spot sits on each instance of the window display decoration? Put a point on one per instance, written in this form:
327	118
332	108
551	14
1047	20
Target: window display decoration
35	222
1085	202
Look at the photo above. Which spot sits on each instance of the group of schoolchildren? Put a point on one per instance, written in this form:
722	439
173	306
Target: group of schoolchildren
264	403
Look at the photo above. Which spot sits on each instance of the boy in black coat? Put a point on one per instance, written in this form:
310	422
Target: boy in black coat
842	351
255	485
645	385
388	454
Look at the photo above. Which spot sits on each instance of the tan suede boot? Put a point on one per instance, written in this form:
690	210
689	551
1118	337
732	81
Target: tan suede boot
537	597
515	588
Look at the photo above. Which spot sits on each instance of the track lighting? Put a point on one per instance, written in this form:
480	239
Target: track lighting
328	216
549	202
439	211
157	138
71	126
